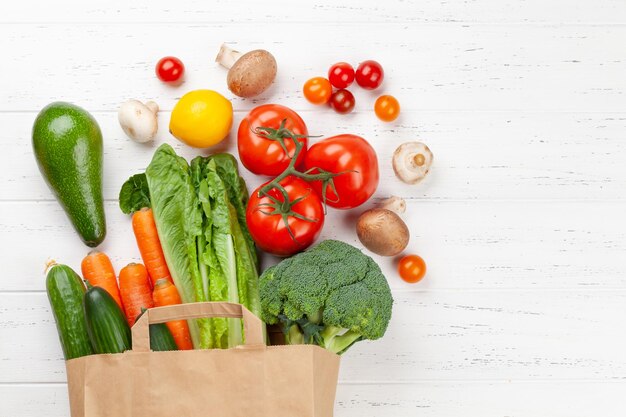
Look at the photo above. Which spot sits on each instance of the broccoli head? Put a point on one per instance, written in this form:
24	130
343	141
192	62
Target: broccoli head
332	295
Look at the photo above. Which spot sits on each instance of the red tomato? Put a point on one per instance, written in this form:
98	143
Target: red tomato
341	75
387	108
264	156
369	75
342	101
345	153
412	268
170	69
317	90
266	224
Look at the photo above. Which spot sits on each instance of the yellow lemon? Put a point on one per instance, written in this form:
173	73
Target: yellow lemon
201	118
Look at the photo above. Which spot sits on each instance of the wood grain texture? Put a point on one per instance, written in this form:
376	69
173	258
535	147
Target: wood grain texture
467	245
435	335
478	155
251	11
434	67
521	221
426	399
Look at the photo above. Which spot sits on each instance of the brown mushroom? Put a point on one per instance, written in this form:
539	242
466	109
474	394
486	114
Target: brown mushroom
411	162
383	232
249	74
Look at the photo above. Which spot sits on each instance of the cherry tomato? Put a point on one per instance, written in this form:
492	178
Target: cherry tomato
350	154
341	75
387	108
342	101
266	224
369	75
412	268
264	156
317	90
170	69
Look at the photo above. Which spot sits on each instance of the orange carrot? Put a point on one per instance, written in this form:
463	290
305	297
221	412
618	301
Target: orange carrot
166	294
98	271
149	245
135	291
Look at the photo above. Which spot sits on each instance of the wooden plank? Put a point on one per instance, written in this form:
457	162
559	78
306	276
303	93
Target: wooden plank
435	67
478	155
461	335
427	399
467	245
250	11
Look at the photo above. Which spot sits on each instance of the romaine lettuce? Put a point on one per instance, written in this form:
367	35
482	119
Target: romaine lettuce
199	210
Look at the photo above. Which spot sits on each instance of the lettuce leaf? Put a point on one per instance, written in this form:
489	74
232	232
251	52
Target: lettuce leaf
134	194
176	214
226	168
224	248
199	209
225	165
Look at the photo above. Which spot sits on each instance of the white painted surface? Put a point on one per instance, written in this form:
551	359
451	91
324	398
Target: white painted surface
521	221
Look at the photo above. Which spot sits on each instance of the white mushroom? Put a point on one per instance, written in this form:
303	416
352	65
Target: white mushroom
395	204
249	74
411	162
139	120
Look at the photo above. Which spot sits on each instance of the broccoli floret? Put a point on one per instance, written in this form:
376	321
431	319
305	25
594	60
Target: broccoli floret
331	295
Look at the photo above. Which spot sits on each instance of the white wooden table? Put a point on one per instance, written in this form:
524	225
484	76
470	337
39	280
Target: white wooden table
522	220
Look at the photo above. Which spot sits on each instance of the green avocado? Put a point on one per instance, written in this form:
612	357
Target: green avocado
67	142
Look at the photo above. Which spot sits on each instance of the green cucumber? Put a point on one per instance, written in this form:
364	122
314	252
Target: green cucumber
67	143
65	291
161	338
106	324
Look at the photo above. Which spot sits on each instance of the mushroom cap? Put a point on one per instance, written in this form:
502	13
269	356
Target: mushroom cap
383	232
138	120
252	74
412	161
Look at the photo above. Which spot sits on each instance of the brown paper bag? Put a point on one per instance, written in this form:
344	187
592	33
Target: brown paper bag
252	380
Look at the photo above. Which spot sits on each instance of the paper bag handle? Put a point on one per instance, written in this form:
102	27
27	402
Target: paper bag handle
252	325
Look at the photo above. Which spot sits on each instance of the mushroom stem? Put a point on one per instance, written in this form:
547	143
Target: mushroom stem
152	106
419	159
412	161
227	56
395	204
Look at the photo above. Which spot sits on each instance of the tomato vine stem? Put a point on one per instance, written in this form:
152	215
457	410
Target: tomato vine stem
284	208
280	135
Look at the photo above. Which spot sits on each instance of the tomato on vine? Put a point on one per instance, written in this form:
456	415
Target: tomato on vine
265	139
317	90
170	69
369	75
286	218
341	75
412	268
355	165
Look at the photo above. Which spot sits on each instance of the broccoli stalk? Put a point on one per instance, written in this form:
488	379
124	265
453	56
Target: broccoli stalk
335	339
338	340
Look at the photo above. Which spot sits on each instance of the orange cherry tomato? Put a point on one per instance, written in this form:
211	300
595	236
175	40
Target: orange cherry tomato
317	90
412	268
387	108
